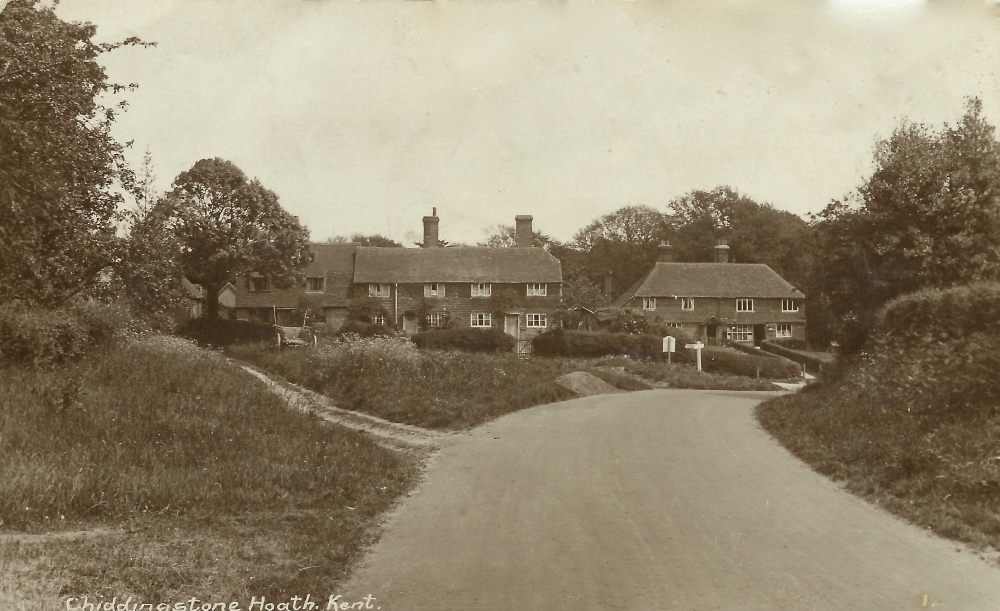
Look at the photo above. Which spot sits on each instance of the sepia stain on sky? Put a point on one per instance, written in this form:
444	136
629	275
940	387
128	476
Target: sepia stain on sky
364	115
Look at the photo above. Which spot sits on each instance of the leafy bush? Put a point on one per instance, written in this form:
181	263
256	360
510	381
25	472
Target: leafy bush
941	314
466	340
222	332
722	360
560	342
364	329
748	349
41	337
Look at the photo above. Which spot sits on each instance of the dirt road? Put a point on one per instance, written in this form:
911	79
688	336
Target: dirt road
655	500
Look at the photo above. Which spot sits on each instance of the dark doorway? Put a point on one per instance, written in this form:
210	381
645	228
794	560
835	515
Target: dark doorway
759	334
712	335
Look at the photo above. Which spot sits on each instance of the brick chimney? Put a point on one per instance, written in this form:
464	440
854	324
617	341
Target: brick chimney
431	229
722	252
523	236
664	253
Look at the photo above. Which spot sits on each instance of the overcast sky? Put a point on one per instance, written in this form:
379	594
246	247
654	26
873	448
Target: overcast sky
364	115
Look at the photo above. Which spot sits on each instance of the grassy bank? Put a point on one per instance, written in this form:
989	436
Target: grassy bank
456	390
209	485
913	426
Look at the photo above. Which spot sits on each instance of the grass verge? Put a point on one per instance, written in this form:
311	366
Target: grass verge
391	379
209	485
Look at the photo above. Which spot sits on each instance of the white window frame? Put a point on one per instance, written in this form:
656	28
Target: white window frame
378	319
433	320
746	302
782	330
789	305
481	320
740	333
687	304
674	325
437	291
481	289
537	321
379	290
649	303
537	289
322	284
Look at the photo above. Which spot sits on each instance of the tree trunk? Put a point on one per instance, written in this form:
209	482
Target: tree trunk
211	301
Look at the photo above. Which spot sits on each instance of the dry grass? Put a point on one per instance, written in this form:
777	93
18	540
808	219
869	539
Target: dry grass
211	486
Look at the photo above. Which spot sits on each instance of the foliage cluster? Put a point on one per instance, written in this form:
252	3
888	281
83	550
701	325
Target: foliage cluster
466	340
592	344
724	360
33	336
813	364
354	327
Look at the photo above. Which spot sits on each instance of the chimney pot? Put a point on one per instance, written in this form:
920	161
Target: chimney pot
523	235
431	229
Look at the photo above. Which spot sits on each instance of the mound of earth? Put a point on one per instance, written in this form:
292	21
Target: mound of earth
585	384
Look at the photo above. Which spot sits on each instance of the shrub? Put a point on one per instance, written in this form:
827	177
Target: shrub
39	337
222	332
795	343
598	343
748	349
722	360
467	340
941	314
364	329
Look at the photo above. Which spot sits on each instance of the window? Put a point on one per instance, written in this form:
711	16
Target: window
649	303
783	330
481	289
789	305
536	321
378	319
740	333
315	284
433	320
379	290
674	325
537	290
687	304
482	320
744	305
259	285
434	289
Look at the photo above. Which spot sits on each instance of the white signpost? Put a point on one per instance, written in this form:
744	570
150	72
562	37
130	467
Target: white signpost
697	346
669	345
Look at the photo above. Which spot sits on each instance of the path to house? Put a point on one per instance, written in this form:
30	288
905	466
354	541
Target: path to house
662	499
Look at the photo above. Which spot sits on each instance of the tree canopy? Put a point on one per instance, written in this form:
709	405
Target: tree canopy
228	225
928	216
366	240
505	236
61	172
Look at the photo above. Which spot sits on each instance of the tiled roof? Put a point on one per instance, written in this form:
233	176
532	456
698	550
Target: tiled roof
192	290
335	262
710	280
459	264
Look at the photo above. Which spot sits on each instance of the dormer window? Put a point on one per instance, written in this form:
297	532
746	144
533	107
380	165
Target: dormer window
434	289
687	304
379	290
537	290
744	305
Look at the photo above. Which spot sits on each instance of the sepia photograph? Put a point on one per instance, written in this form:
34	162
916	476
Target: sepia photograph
499	305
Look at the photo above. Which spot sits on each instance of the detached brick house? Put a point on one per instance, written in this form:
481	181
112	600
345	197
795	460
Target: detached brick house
741	302
515	289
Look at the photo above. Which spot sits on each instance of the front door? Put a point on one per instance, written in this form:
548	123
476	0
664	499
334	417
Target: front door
409	324
759	334
511	325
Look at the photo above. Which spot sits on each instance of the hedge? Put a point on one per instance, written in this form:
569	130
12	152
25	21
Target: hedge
223	332
942	314
722	360
748	349
467	340
592	344
795	343
40	337
813	365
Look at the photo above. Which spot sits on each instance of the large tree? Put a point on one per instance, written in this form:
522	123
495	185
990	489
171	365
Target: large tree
755	232
365	240
228	226
505	236
60	169
928	216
